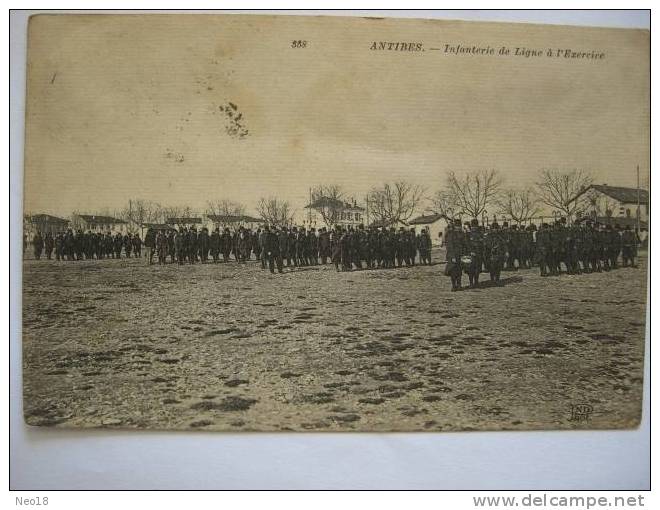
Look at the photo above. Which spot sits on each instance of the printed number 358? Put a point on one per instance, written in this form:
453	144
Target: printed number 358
299	44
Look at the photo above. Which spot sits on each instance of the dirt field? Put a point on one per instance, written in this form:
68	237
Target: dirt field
227	347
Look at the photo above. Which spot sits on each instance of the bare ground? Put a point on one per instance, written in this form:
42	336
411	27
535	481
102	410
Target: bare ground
230	347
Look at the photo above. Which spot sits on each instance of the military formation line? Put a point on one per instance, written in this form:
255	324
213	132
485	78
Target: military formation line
470	248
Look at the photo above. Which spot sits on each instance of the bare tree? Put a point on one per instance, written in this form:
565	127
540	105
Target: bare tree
393	203
184	211
444	203
560	190
225	207
474	191
520	205
328	201
140	211
275	211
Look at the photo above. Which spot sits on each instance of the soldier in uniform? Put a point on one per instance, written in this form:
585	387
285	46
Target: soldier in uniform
214	245
59	246
137	245
128	245
324	245
271	249
628	247
345	247
301	256
494	253
454	243
38	245
161	247
49	243
283	248
312	247
475	247
225	244
615	246
150	244
428	245
192	245
203	242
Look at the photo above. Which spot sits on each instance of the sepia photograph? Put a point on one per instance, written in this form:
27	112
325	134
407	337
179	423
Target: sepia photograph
334	224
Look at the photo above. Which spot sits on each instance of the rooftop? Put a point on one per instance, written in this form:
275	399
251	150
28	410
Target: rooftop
46	218
232	218
183	221
333	203
618	193
92	218
426	220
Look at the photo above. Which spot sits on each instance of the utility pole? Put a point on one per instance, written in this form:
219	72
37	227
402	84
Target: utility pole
638	202
310	208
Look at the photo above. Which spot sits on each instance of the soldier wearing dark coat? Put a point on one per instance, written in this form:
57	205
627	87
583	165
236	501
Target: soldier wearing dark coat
475	247
272	248
455	245
150	244
118	243
192	245
59	246
225	244
283	251
312	247
301	243
324	246
161	247
137	245
424	244
128	245
38	245
628	247
69	245
615	246
203	244
179	246
214	245
494	253
49	243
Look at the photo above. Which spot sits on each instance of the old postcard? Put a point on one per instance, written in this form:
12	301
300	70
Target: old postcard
319	223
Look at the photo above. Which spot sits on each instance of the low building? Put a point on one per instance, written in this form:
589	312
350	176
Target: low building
435	223
615	202
43	223
233	222
337	212
99	223
185	221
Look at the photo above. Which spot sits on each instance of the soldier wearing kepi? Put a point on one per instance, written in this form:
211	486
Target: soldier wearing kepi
49	243
475	242
128	245
454	243
214	245
283	252
494	253
38	245
271	247
628	247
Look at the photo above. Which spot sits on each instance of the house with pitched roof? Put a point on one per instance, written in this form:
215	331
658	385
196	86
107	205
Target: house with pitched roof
619	204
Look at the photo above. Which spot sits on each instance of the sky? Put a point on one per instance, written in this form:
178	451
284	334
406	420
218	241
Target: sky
136	107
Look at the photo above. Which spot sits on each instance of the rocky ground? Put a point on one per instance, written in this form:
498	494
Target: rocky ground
229	347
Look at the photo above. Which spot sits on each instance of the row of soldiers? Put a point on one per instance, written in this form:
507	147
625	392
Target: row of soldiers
79	245
347	248
580	248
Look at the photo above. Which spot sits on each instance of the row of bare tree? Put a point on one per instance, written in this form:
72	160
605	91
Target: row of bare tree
478	193
471	195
